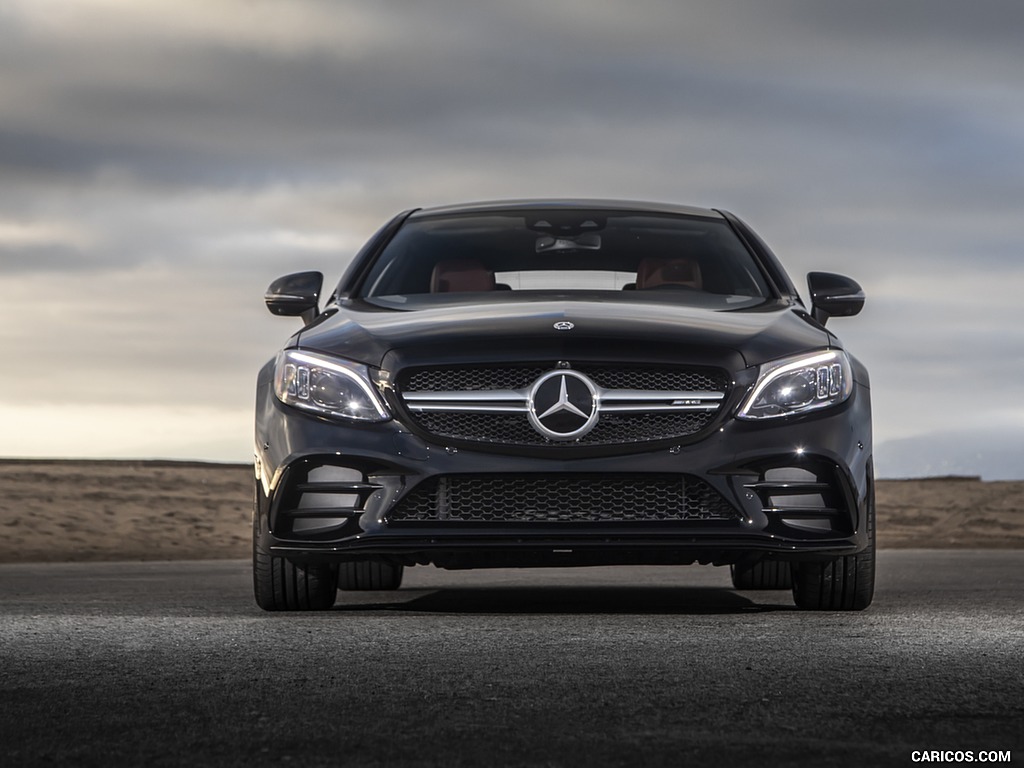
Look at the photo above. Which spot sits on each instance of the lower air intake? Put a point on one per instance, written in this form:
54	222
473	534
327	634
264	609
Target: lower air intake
632	498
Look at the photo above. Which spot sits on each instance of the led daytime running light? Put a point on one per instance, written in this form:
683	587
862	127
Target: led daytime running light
798	385
327	386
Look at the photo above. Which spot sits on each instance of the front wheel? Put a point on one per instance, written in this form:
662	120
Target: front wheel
843	584
281	585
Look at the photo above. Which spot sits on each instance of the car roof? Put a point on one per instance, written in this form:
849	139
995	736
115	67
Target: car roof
547	204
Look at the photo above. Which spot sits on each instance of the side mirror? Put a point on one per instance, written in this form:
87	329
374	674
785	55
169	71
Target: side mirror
834	296
296	295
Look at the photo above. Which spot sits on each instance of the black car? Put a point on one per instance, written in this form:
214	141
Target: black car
563	383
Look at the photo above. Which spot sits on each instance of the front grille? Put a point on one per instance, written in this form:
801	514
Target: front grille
486	422
562	498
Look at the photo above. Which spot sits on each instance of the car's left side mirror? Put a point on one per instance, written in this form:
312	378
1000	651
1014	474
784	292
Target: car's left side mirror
834	296
296	295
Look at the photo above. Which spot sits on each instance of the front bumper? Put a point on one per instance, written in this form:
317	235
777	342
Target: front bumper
793	489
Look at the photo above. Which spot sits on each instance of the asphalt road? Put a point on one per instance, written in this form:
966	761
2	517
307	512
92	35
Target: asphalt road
153	664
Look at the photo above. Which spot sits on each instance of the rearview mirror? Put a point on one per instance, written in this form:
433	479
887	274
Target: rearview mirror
296	295
834	296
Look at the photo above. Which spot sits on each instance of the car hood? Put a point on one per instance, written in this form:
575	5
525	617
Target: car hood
600	330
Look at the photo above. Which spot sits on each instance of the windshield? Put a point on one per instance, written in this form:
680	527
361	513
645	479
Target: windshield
538	255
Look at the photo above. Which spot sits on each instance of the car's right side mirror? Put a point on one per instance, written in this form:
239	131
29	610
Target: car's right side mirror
834	296
296	295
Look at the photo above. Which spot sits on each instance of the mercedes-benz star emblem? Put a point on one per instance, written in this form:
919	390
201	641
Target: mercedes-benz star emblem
563	405
564	325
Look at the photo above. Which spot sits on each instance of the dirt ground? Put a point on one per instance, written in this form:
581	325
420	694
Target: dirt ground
159	510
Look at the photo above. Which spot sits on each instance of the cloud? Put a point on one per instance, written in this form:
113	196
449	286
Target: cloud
162	162
19	234
292	28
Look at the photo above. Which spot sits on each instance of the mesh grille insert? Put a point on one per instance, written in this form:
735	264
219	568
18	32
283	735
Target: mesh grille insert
609	377
472	379
562	498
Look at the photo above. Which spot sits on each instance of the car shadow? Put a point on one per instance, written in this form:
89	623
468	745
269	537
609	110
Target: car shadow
559	600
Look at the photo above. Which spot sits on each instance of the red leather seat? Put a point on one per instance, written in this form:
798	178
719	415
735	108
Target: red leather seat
654	273
461	275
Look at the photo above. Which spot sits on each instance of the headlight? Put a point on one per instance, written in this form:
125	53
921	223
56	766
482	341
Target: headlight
799	384
327	386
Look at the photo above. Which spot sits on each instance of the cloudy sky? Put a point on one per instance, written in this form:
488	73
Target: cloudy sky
161	161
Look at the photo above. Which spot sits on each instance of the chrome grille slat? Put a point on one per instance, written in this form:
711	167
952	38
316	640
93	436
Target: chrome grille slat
640	407
482	396
657	395
457	407
482	401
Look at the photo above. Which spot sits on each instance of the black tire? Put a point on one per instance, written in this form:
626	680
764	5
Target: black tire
843	584
281	585
764	574
365	575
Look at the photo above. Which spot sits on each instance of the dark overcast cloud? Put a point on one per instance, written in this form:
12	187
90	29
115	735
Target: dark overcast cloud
161	162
